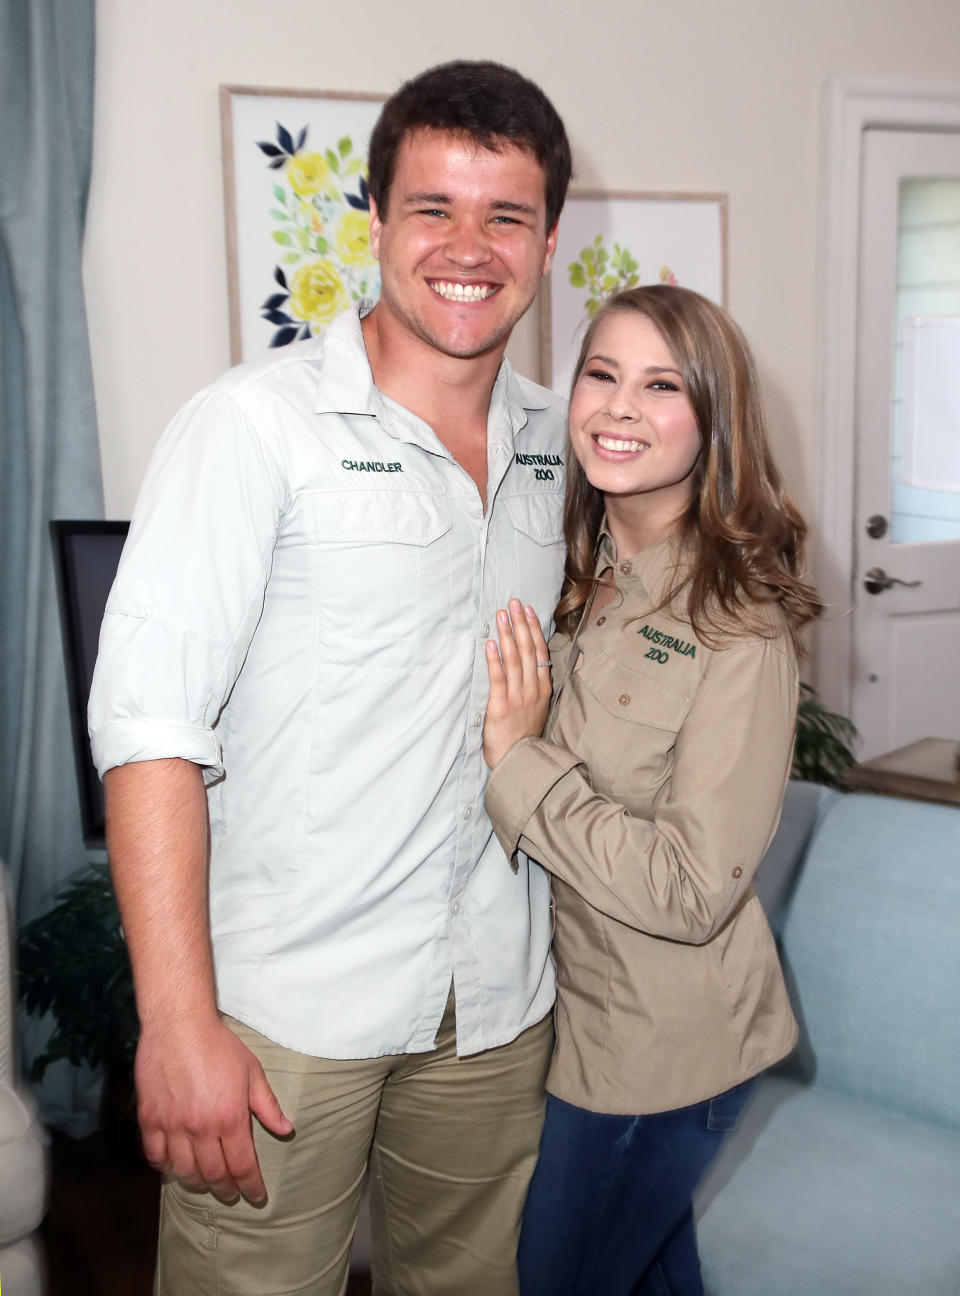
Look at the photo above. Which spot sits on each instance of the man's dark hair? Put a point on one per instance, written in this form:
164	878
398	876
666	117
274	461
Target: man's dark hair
482	101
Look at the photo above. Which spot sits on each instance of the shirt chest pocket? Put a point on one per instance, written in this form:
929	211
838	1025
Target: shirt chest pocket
530	565
636	717
382	570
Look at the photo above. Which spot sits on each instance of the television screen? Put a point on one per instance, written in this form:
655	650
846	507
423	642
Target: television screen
85	555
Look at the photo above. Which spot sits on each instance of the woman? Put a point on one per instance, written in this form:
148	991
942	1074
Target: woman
655	789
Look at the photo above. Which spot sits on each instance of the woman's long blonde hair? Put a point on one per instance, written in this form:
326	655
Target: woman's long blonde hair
744	533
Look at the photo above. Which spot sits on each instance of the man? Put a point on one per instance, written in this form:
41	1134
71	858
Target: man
292	662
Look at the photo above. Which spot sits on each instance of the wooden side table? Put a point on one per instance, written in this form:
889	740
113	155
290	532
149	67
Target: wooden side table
925	770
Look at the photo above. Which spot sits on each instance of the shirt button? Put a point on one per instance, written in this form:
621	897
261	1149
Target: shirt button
626	568
624	699
738	872
468	812
454	907
478	719
485	632
600	620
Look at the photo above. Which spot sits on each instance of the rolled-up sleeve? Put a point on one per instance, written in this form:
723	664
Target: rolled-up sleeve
189	590
680	873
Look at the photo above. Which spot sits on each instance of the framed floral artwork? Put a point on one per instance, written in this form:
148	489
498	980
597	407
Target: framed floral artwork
609	241
297	211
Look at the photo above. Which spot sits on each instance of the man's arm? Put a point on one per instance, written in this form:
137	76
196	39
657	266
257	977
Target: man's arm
197	1084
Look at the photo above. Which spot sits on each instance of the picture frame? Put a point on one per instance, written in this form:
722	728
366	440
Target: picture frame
296	208
613	239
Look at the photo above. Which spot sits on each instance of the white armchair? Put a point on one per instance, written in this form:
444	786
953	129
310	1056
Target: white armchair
23	1164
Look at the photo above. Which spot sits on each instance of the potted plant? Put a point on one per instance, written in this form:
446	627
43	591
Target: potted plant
823	751
73	964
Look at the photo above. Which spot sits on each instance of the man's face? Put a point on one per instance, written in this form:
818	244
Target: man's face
464	243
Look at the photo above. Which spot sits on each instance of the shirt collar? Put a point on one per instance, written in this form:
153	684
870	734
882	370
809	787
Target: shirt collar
659	567
346	386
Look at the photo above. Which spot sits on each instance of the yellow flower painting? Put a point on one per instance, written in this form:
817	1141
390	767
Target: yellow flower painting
320	223
353	239
317	292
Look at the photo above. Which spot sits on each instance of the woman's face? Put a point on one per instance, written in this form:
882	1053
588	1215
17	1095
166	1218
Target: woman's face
632	426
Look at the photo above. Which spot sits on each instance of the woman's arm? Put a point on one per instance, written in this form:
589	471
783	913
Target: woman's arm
681	873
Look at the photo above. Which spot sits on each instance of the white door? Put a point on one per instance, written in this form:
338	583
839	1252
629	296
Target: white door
906	617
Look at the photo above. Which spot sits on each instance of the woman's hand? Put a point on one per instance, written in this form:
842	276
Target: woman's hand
519	682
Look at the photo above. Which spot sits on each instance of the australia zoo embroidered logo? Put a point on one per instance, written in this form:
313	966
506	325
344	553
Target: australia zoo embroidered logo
542	464
662	644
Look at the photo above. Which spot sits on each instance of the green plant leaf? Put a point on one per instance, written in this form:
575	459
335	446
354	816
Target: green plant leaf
345	145
577	278
333	162
280	193
280	236
322	246
278	215
291	258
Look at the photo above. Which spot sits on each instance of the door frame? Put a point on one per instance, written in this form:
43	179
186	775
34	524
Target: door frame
851	105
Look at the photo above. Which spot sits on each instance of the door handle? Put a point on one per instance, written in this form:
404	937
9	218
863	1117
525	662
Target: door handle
877	580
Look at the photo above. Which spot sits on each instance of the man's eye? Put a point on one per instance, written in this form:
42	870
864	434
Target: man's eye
432	211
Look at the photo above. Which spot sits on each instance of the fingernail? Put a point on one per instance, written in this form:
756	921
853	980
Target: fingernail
530	612
502	616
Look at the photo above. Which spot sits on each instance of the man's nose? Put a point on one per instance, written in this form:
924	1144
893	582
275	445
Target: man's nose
467	243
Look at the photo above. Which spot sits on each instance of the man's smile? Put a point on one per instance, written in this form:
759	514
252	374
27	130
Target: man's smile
466	292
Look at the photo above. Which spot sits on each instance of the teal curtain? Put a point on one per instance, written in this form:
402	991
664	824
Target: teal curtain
49	456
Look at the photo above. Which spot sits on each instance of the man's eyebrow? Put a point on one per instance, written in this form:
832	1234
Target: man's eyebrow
438	199
504	204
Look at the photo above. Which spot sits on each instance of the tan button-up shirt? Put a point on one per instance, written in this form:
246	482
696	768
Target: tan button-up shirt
650	800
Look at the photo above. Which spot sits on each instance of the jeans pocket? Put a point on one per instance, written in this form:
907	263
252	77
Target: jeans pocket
724	1111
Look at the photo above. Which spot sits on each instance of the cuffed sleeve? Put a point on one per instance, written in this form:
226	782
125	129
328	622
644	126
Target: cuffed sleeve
189	590
680	873
518	785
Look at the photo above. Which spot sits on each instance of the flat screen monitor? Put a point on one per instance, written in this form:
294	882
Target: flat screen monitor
85	555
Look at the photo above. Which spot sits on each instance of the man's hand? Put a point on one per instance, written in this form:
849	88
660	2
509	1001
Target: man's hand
520	684
197	1089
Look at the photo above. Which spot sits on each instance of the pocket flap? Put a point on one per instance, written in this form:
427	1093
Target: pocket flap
635	694
538	515
372	516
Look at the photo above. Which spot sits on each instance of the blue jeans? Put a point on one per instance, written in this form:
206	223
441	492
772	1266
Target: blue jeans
609	1207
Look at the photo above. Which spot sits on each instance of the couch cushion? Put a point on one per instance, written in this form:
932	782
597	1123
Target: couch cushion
803	805
834	1199
870	947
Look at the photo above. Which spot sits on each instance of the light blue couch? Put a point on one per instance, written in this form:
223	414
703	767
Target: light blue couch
844	1176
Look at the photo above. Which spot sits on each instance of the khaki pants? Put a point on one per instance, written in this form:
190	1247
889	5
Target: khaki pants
451	1144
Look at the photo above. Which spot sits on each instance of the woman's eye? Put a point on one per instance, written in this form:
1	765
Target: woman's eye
600	374
662	384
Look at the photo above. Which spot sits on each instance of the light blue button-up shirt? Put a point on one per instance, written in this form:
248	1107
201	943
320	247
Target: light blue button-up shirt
301	608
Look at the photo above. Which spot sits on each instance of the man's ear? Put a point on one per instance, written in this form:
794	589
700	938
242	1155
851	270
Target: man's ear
376	225
551	248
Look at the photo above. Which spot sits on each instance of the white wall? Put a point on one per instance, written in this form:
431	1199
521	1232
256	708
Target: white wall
690	95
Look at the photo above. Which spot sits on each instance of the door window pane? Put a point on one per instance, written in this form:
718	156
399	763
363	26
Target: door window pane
928	283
